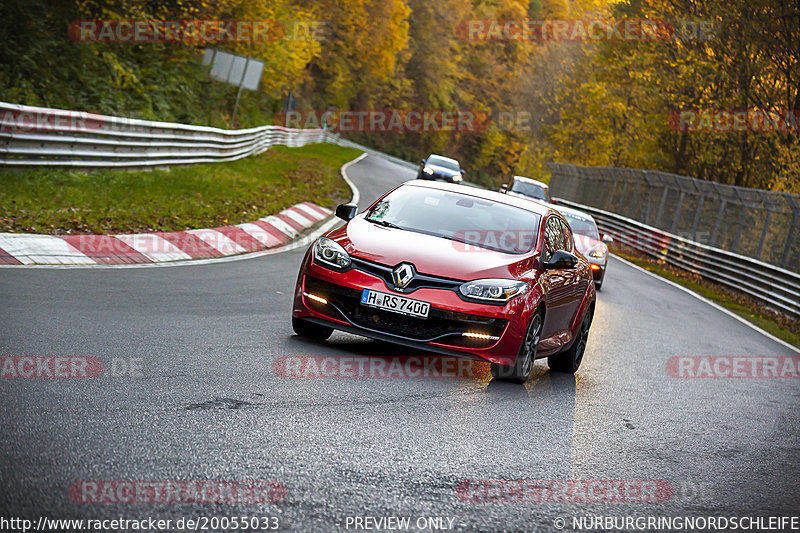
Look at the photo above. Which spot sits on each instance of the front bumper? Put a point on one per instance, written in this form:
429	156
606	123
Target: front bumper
441	332
598	266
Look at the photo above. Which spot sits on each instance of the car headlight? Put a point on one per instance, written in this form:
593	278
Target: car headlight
492	290
331	254
427	170
599	251
457	178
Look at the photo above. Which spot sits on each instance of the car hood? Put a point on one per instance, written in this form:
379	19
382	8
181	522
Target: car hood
431	255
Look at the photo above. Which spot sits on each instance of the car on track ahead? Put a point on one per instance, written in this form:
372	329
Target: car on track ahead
438	167
588	241
528	188
453	270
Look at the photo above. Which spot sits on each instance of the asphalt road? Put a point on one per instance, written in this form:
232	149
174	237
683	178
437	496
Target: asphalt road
205	404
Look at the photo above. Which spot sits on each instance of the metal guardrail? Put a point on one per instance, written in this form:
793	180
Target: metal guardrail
38	136
778	288
760	224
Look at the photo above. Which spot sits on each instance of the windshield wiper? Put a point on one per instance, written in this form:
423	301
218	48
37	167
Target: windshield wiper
384	223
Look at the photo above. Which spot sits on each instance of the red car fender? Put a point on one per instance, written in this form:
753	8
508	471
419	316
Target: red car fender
530	302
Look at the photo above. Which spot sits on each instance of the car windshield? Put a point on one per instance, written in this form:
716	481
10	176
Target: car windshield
458	217
582	225
530	189
442	162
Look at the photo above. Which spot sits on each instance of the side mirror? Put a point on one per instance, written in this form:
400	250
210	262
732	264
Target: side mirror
504	188
463	171
423	161
607	238
347	212
560	260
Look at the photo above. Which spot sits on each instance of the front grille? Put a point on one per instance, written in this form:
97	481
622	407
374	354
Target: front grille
441	325
419	281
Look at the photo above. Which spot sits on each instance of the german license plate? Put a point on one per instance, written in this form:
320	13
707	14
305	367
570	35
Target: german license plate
395	303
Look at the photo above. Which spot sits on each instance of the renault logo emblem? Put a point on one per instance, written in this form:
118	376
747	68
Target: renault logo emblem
402	275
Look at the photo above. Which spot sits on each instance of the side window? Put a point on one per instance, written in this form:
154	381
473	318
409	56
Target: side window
568	243
552	238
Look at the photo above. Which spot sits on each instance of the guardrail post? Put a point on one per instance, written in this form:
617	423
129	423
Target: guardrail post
644	212
763	235
735	245
697	216
715	235
634	196
608	202
622	197
792	228
678	212
661	205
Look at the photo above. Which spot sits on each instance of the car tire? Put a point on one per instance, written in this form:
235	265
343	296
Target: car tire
310	330
598	284
521	369
569	361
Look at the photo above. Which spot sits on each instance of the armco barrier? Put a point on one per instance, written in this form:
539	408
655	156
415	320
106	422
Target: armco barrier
760	224
38	136
777	287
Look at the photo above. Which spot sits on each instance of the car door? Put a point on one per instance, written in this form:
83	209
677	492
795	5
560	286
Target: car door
558	287
577	281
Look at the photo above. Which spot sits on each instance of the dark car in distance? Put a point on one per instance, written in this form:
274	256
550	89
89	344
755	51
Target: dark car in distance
438	167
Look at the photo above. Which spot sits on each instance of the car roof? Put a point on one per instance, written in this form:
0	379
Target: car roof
445	158
534	207
533	181
575	212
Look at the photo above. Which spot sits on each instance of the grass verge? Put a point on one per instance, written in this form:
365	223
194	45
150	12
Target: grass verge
751	310
58	201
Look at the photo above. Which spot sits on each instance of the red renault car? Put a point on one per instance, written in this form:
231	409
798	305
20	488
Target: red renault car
453	270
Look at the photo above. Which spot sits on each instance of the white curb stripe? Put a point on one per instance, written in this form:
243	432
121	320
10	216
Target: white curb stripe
260	234
315	215
222	243
42	249
280	225
300	219
154	247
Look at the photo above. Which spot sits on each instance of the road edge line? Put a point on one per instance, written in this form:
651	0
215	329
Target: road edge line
711	303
